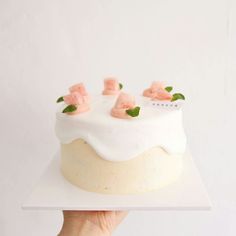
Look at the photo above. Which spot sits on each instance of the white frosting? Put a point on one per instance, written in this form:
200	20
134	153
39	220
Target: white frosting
123	139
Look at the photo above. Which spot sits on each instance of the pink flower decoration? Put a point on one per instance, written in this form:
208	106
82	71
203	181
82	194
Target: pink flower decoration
111	87
125	100
74	98
155	86
123	103
162	94
80	109
81	103
78	88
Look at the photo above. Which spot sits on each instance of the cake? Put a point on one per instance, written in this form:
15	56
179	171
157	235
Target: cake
118	143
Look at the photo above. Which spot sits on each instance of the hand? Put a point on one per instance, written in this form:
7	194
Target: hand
90	223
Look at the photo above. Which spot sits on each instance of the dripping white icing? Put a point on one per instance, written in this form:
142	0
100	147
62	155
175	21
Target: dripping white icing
121	139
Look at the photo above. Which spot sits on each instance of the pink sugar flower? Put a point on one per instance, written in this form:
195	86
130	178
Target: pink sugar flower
80	109
124	102
162	94
155	86
111	86
74	98
80	88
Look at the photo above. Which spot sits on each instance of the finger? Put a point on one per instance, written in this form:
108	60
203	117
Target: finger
120	215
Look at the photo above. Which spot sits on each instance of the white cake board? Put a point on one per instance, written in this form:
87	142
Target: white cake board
54	192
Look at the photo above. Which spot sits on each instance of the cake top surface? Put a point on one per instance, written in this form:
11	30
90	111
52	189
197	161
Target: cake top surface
117	137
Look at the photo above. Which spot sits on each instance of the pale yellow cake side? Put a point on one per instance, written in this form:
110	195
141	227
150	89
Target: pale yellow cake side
151	170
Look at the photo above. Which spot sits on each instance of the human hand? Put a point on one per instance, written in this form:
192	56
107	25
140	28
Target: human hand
90	223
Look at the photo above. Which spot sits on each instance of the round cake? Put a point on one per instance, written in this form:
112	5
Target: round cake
117	143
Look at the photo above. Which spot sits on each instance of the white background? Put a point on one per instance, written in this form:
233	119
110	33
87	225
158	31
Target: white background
48	45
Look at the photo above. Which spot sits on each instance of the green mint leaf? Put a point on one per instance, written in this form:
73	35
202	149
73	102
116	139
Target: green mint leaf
69	108
177	96
169	89
60	99
133	112
121	86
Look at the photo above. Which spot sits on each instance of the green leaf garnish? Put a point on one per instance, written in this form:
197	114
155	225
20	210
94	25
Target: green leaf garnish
60	99
133	112
69	108
120	85
177	96
169	89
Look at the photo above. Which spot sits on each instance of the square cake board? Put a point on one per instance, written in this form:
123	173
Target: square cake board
54	192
